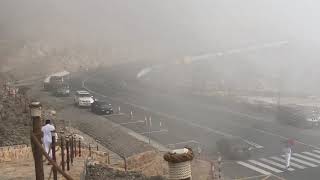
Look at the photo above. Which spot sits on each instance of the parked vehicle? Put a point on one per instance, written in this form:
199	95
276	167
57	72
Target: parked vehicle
55	80
234	148
83	99
101	107
62	90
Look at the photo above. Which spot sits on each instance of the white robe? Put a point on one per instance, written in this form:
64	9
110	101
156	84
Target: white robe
287	152
47	137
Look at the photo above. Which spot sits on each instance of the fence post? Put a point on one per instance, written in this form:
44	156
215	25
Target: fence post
75	147
79	147
25	104
68	154
97	147
71	149
5	86
89	150
20	99
53	149
62	152
125	164
36	130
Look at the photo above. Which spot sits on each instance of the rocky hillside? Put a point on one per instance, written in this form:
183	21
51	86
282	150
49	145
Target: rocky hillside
100	172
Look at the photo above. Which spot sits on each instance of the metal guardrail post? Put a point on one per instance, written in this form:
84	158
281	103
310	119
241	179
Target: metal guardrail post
36	130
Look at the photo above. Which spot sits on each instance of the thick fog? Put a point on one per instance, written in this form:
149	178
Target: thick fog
167	30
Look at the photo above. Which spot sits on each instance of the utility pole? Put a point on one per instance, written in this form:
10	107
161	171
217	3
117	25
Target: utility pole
35	112
279	92
149	134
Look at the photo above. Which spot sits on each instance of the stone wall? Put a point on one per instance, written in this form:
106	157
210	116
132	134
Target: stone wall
19	152
12	153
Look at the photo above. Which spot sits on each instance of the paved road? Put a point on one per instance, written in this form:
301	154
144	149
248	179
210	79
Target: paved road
179	119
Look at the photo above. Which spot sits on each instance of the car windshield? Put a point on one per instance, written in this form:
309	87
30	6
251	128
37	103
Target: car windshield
84	95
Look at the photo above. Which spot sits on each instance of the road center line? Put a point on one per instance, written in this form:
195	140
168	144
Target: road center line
184	142
162	130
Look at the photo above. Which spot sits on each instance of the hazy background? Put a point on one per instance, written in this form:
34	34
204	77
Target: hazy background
166	30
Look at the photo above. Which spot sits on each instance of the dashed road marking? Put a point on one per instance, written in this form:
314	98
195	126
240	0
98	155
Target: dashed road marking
307	158
265	166
254	168
302	162
184	142
291	164
160	131
276	164
312	154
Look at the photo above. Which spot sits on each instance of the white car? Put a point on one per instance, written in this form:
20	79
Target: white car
83	99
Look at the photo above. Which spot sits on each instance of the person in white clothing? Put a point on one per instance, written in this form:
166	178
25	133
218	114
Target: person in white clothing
47	131
287	151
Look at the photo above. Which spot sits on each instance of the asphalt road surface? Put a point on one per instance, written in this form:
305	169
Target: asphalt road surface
177	119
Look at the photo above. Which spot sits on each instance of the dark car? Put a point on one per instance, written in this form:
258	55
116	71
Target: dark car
233	148
101	107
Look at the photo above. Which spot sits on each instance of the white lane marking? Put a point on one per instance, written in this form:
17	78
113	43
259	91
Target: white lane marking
276	164
312	154
252	144
302	161
184	142
265	166
118	114
316	151
162	130
254	168
174	117
291	164
131	122
306	157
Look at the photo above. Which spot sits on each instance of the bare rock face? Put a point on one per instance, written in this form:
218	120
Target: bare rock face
14	125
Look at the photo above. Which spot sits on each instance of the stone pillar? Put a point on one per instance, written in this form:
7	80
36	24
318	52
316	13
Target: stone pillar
179	162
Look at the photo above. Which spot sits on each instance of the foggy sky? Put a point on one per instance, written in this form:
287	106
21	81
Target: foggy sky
175	28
